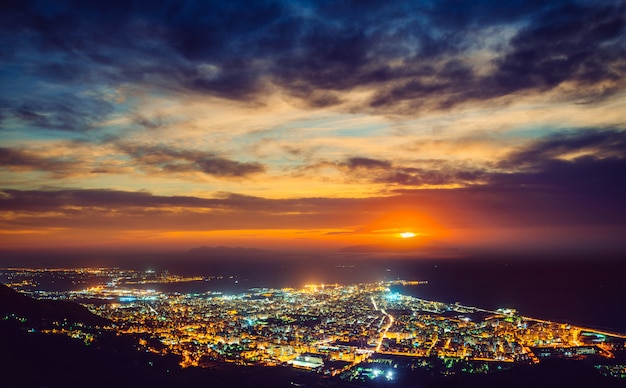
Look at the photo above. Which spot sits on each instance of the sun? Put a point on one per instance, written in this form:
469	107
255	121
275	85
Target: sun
407	235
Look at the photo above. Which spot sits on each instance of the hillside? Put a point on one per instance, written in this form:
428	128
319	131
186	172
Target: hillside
41	313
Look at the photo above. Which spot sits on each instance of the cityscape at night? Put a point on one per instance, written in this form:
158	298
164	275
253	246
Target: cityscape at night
348	334
312	193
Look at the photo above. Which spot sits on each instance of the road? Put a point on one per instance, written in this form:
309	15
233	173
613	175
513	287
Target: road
386	328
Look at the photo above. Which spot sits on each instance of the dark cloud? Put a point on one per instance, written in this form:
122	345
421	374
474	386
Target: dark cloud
23	160
583	177
585	191
150	159
52	199
562	158
407	52
64	112
565	43
305	153
174	160
570	42
366	163
445	85
110	210
140	203
155	122
588	187
467	13
65	72
543	189
445	175
433	172
595	144
223	167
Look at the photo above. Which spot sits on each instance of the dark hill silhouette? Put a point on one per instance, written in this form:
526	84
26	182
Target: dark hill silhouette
30	357
45	311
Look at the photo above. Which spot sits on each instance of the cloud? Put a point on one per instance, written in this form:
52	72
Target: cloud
24	160
595	144
577	176
423	177
596	154
406	173
366	163
409	56
55	199
568	43
565	179
65	112
73	158
166	159
158	121
565	44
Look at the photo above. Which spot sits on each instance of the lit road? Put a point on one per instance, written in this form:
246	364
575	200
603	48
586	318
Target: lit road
384	332
530	354
435	339
152	309
374	303
386	328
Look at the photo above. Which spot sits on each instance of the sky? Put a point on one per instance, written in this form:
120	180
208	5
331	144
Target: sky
313	125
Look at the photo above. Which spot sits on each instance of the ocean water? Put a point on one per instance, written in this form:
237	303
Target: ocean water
582	292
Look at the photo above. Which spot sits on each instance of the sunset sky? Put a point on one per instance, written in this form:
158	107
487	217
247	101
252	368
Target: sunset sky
313	125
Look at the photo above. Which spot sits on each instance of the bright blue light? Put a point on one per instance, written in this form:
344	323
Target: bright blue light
393	296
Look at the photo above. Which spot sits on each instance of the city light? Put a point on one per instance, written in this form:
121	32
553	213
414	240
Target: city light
330	328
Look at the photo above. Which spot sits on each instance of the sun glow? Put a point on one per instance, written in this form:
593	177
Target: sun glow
407	235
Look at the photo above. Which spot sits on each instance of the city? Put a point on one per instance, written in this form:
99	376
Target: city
331	329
